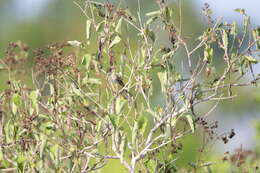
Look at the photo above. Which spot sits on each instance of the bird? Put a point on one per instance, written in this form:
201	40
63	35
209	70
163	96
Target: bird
116	83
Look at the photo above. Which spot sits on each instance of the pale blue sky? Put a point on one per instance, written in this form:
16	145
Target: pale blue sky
225	8
27	9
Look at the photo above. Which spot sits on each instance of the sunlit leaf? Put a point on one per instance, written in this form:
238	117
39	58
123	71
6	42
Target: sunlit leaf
225	39
251	59
88	29
100	26
190	120
151	20
94	81
115	41
75	43
154	13
118	28
120	102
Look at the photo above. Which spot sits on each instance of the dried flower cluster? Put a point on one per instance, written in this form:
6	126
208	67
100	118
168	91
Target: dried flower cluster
53	60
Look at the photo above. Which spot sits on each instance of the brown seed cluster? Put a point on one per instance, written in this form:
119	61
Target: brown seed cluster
208	128
53	60
15	54
207	12
226	138
110	12
239	157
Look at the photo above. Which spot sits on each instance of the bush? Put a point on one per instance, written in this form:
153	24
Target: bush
119	95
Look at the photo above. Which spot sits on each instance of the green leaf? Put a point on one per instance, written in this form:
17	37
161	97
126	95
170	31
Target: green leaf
115	41
246	22
240	10
150	165
163	80
52	91
190	120
168	55
20	160
151	20
118	28
168	13
43	145
14	108
100	26
16	99
94	81
134	133
142	123
154	13
250	59
54	153
86	60
120	102
76	91
256	37
208	54
33	96
225	39
88	29
9	131
114	119
123	143
168	131
149	33
234	28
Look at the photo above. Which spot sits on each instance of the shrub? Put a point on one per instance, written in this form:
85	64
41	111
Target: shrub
119	95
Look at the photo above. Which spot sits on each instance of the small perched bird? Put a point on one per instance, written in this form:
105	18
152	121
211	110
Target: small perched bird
116	83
